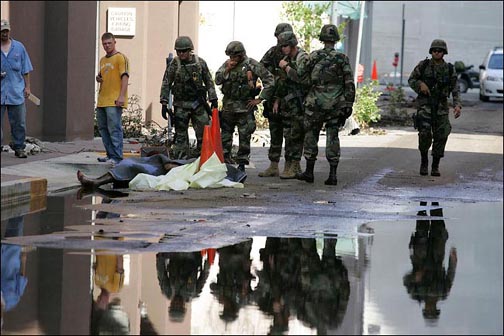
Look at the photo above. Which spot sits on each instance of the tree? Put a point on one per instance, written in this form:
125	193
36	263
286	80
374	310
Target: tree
307	21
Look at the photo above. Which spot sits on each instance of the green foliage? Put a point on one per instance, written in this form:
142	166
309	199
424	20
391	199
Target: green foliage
134	125
397	102
132	118
306	21
365	108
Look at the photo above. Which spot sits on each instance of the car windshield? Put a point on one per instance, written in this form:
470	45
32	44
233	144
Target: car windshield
495	62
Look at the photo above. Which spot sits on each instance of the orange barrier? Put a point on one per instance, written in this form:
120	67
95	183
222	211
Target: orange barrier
216	135
207	148
374	73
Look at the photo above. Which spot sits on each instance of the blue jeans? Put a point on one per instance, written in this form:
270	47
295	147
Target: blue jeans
109	121
17	121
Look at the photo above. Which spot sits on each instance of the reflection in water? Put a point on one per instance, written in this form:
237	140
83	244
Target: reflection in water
181	277
14	280
429	281
107	314
296	281
232	288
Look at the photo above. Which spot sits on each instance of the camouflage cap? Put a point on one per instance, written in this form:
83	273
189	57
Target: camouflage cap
183	43
329	32
235	48
438	44
287	38
282	27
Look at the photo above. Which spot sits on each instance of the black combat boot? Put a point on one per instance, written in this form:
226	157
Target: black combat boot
435	166
308	173
424	166
332	180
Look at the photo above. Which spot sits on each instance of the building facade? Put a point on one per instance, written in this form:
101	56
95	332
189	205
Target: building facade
63	40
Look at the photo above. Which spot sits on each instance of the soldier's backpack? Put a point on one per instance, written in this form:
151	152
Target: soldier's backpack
328	67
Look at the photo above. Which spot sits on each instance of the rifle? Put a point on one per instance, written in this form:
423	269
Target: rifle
171	117
201	96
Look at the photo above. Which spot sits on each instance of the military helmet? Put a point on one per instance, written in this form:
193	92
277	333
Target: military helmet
287	38
440	44
329	32
234	48
183	43
282	27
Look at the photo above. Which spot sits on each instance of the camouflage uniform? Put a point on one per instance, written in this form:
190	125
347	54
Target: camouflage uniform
291	90
237	92
432	119
329	100
429	281
270	61
177	79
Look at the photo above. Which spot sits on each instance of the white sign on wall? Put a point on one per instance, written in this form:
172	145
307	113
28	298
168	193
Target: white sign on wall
121	21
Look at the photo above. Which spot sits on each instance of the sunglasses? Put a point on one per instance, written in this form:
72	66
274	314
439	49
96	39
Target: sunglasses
183	51
436	50
284	45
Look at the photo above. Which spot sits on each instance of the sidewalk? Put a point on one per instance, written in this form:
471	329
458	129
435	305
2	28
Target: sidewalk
54	169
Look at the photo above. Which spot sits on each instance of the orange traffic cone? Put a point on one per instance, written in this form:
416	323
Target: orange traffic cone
216	135
207	148
374	73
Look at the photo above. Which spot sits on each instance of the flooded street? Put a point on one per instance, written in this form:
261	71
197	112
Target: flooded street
427	268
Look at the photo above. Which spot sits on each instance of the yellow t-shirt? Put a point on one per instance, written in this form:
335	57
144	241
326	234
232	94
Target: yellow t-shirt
112	68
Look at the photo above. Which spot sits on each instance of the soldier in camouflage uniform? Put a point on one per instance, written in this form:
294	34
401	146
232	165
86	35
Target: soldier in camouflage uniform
289	99
271	60
434	79
187	77
329	100
238	77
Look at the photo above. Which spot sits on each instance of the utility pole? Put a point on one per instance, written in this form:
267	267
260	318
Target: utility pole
359	40
402	44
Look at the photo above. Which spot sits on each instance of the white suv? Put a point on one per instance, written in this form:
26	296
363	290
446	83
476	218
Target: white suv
491	75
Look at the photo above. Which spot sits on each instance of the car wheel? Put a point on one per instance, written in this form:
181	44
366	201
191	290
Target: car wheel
463	85
484	98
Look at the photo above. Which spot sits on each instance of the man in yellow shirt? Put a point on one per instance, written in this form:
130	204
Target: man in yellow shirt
112	98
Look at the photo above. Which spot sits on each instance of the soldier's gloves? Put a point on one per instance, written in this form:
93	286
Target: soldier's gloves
214	103
164	111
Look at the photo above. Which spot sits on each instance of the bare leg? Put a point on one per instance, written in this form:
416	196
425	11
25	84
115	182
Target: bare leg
94	183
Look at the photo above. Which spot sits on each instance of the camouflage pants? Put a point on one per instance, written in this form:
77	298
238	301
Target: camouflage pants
246	126
432	130
276	129
199	118
313	122
293	129
286	124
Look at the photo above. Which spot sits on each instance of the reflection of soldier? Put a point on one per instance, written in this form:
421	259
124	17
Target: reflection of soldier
429	281
324	285
278	285
181	277
233	281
